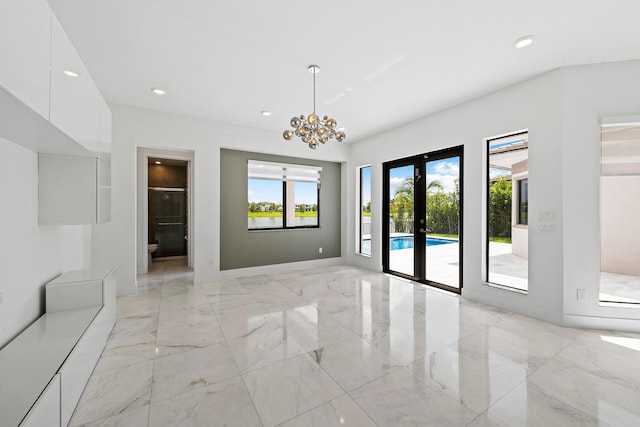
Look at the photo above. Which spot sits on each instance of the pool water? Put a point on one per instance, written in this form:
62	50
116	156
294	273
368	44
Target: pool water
405	242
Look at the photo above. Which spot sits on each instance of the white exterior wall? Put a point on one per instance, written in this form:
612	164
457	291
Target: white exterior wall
133	128
519	233
619	214
31	254
520	241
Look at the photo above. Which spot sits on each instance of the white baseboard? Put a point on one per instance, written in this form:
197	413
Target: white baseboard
524	308
602	323
273	268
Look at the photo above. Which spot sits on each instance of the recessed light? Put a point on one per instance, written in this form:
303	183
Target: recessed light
158	91
71	73
265	113
524	41
158	162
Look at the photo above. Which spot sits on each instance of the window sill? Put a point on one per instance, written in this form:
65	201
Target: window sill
262	230
506	288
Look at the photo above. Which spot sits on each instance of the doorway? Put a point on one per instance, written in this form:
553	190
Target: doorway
423	210
164	210
167	207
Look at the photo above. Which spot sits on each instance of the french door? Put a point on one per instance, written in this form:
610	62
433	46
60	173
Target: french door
423	218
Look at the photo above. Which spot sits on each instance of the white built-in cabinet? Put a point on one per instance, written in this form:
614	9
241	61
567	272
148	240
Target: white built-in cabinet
77	108
25	51
65	119
46	411
73	190
65	293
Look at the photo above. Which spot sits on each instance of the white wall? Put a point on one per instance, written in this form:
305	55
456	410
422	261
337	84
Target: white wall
533	105
31	255
132	128
562	110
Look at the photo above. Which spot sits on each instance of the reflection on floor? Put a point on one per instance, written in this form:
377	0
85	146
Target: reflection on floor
344	346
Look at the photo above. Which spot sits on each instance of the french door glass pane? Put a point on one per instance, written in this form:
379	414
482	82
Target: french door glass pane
442	253
401	214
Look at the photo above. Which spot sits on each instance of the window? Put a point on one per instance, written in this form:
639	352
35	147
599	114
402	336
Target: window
619	211
364	213
282	195
508	211
523	201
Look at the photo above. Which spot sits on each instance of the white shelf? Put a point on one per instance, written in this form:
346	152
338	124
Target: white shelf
23	126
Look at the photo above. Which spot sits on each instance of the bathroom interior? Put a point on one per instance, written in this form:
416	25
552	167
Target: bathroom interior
167	210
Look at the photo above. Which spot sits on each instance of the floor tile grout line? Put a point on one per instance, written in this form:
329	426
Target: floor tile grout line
570	340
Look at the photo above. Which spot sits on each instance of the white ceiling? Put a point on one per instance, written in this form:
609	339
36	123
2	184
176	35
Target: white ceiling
382	63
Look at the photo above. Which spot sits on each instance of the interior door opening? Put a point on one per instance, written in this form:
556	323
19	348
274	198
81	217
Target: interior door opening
165	210
423	210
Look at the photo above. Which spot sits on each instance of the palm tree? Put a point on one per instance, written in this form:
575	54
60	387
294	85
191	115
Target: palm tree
402	206
435	185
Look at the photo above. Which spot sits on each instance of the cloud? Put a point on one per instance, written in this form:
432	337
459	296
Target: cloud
395	182
495	173
447	181
447	168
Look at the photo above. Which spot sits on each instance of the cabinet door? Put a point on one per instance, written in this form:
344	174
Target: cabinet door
75	101
25	35
46	411
67	190
77	369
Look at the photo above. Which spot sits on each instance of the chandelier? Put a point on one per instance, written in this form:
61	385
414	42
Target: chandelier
312	129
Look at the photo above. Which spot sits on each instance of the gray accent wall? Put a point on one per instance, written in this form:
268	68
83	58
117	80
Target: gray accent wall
241	248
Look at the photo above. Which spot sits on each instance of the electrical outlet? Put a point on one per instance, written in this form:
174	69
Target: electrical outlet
319	250
581	294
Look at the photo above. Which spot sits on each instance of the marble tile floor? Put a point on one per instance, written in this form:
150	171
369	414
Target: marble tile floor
341	346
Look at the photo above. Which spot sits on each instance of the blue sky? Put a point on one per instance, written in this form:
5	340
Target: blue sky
445	171
262	190
366	185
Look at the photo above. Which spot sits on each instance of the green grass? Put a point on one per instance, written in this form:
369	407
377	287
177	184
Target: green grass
265	214
500	239
278	214
455	236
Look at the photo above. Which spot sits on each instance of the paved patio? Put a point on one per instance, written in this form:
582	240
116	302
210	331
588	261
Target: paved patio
505	269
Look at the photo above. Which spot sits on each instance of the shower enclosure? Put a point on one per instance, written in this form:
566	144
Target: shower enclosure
168	221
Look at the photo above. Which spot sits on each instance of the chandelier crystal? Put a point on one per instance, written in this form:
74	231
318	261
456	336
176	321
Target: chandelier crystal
312	130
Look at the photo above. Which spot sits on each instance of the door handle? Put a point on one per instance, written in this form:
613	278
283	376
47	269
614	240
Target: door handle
422	230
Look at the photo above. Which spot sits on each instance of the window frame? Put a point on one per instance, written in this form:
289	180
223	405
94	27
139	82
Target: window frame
280	169
519	220
361	211
487	214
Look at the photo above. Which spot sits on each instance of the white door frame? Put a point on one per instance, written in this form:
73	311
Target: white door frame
143	154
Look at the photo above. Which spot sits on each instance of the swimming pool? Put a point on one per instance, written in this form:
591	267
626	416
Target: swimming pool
406	242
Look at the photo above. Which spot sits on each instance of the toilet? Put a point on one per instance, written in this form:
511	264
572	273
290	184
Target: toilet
152	248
